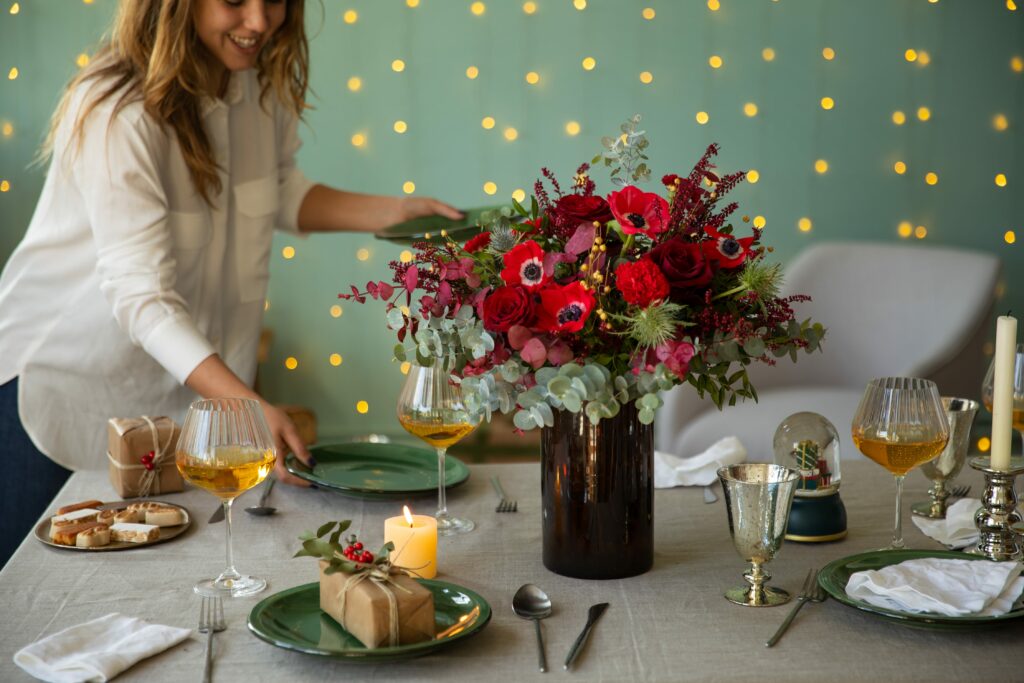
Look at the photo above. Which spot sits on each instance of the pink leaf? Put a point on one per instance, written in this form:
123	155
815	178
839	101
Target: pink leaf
518	336
412	278
371	289
581	240
473	280
534	353
559	353
444	294
385	290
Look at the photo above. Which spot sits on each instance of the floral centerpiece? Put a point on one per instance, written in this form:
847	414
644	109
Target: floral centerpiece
579	304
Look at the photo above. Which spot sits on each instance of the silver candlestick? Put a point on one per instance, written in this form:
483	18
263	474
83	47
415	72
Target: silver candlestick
998	512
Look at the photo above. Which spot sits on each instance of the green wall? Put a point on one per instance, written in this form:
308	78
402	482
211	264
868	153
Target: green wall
968	80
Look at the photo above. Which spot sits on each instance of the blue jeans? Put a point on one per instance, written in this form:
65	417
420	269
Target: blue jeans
32	479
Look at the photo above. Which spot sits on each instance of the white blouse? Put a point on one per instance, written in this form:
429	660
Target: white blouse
127	279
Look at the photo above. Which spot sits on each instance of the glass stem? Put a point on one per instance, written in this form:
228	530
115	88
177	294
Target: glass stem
229	555
897	532
442	501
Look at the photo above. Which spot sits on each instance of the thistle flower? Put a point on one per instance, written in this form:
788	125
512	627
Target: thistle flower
503	238
762	279
654	325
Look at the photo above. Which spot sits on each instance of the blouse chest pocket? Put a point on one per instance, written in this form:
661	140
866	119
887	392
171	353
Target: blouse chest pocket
190	234
256	206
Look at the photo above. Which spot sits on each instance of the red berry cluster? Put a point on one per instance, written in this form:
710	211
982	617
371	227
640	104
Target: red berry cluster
354	551
147	460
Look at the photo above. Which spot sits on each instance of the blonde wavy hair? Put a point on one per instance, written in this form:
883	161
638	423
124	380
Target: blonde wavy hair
154	55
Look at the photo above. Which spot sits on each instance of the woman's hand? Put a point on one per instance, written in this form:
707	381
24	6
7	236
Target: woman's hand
417	207
286	440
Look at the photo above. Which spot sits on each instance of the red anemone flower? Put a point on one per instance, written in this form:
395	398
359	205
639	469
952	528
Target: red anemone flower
726	250
638	211
564	309
524	265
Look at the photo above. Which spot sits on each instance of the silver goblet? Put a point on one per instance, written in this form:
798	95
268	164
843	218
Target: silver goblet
757	499
960	412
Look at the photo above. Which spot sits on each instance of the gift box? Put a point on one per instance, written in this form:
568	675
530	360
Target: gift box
361	604
140	451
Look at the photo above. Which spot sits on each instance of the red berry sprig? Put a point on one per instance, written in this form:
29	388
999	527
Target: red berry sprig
147	460
354	551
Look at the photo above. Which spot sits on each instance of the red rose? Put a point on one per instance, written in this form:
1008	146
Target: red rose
726	250
507	306
639	211
641	282
478	243
574	209
564	309
683	264
524	265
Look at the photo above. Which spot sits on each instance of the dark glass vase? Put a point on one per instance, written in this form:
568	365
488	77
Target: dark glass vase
597	491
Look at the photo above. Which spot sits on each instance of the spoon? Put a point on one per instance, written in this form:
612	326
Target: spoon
531	602
261	509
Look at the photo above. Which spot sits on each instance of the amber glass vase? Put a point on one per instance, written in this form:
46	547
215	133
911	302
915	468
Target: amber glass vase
597	490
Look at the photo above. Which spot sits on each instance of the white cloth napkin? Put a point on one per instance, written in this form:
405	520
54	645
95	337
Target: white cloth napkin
698	470
953	588
97	650
957	530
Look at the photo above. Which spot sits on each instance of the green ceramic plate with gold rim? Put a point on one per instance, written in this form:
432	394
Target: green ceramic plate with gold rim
293	620
835	575
383	471
418	228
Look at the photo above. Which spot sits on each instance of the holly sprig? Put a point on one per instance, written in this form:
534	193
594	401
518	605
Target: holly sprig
334	553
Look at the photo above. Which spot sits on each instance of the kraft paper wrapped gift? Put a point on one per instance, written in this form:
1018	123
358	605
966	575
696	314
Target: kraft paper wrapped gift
140	451
367	612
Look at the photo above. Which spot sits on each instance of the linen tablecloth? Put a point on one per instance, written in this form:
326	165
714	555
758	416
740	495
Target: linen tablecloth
671	624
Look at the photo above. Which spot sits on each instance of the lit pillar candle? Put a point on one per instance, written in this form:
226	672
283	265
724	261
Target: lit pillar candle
1002	391
415	539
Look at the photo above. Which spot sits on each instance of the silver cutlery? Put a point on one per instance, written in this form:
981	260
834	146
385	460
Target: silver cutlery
811	592
211	620
531	602
505	505
261	509
217	516
592	616
960	491
709	495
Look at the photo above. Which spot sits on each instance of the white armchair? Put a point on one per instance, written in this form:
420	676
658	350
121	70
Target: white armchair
890	310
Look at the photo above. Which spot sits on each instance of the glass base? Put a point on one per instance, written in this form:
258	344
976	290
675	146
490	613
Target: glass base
928	510
772	597
239	587
450	526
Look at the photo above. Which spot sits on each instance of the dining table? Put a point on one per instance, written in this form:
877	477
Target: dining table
671	623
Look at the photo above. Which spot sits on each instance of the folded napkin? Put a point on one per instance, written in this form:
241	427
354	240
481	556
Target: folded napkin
953	588
957	530
97	650
698	470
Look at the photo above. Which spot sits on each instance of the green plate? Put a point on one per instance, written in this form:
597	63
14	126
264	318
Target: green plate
378	470
835	575
293	620
417	229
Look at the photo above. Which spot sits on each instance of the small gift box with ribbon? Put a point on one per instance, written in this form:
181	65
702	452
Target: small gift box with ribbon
372	599
140	451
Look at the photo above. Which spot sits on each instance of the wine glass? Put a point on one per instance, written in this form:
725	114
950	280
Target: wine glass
430	407
226	448
900	424
1018	389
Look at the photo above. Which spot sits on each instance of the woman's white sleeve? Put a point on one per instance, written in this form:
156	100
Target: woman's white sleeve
292	183
117	171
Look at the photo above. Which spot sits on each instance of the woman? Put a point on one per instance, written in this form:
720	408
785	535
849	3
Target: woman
141	280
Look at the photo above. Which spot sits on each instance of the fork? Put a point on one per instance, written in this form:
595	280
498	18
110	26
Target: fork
960	491
811	592
504	505
211	620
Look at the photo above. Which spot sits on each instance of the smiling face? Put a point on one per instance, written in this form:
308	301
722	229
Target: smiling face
234	31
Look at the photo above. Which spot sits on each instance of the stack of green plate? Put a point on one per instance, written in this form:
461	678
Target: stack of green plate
418	228
377	471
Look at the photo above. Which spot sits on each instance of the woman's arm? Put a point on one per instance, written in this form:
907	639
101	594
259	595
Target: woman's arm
213	378
326	209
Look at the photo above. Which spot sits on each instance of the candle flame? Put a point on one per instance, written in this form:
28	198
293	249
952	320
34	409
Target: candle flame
408	515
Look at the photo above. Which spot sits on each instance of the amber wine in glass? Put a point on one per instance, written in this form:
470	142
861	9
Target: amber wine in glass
226	448
1018	389
900	424
430	407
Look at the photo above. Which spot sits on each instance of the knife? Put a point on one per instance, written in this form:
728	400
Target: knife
592	616
217	516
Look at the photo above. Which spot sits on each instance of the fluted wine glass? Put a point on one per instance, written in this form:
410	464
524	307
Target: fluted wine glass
1018	389
226	448
900	424
431	408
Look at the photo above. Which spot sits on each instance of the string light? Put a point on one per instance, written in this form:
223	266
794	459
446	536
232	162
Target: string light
15	8
412	3
702	117
589	63
478	8
648	13
291	362
408	187
487	122
400	126
355	83
899	118
715	61
7	129
336	311
1009	237
828	53
266	305
1011	5
12	74
472	72
82	60
910	55
931	178
1000	122
905	229
358	140
579	4
827	103
532	77
363	254
398	66
288	252
1001	180
899	167
646	77
405	256
518	195
750	109
768	54
920	232
5	186
984	443
821	166
405	367
714	5
1017	63
923	58
335	359
753	176
529	7
924	113
362	406
510	134
572	128
804	224
490	187
350	16
759	222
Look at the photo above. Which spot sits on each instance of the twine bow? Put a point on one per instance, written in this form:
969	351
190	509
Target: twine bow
151	462
380	575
